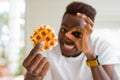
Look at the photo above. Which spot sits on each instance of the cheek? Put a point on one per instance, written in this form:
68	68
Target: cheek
61	35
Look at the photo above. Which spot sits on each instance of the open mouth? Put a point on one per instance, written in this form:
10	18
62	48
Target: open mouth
68	47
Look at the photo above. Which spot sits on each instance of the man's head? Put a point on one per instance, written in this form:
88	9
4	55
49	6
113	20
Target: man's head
71	21
80	7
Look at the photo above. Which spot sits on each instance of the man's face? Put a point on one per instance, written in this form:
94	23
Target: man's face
68	47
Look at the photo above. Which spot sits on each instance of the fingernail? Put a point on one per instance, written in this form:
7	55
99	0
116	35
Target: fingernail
78	14
40	44
84	16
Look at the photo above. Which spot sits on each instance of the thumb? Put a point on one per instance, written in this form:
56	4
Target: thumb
70	36
38	47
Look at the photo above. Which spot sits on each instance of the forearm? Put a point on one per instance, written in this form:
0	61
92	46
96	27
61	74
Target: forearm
99	73
29	76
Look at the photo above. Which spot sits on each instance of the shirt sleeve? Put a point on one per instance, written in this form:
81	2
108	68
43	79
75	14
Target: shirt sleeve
108	54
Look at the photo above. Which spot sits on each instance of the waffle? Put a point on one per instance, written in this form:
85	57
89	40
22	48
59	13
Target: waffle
46	34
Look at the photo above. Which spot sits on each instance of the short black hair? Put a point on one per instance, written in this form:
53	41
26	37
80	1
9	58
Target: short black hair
80	7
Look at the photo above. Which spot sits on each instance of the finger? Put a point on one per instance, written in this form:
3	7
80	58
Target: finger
79	44
77	41
36	49
27	61
87	29
32	54
34	63
70	36
78	29
86	44
40	66
45	69
79	14
87	19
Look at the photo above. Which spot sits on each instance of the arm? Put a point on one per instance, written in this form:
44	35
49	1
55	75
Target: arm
110	70
106	72
36	65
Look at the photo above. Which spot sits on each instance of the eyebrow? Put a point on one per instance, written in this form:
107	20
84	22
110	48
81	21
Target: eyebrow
65	25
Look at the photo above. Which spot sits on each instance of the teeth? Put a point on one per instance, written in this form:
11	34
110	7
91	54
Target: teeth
69	46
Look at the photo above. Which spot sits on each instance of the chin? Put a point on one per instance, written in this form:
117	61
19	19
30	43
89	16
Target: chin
69	54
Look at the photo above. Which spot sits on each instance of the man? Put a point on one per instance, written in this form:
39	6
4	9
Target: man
77	56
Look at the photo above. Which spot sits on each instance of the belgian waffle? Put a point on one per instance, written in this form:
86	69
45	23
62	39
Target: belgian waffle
46	34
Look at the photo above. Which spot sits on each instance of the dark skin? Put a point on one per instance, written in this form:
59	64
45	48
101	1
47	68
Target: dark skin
36	65
66	26
71	45
83	26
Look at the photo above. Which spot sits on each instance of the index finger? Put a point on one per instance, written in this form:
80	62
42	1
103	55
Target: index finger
71	36
87	19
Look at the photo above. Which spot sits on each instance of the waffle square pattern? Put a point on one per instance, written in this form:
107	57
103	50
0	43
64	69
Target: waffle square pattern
46	34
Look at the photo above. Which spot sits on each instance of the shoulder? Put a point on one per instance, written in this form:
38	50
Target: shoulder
101	46
98	42
107	52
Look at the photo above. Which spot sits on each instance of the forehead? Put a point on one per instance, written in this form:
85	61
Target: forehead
72	20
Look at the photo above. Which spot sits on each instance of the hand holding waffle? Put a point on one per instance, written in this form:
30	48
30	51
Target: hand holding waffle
36	64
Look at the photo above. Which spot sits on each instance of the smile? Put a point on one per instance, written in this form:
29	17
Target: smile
69	46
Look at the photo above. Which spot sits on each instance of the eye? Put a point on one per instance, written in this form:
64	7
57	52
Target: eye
77	34
63	30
